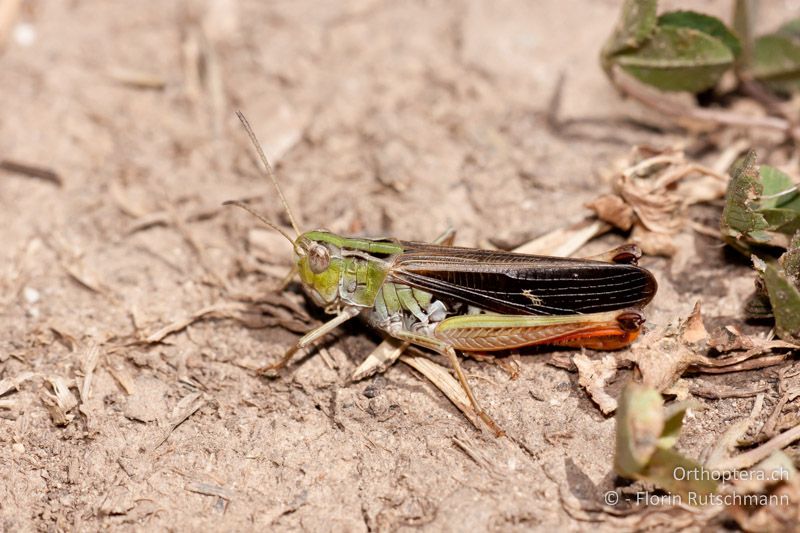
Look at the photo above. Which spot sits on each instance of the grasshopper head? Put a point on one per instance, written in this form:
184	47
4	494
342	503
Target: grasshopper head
319	263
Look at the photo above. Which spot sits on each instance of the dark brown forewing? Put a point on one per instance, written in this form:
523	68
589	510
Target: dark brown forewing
504	282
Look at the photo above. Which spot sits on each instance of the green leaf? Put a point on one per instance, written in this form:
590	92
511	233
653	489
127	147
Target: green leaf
790	29
775	182
673	420
739	217
709	25
678	59
776	62
640	422
780	201
791	260
680	475
785	300
646	433
634	27
789	201
781	220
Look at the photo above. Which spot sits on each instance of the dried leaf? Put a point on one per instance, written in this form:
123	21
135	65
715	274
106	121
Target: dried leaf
653	243
728	339
381	358
776	482
613	209
665	355
662	361
693	330
61	403
593	375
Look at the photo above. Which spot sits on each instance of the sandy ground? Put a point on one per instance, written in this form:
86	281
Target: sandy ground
384	118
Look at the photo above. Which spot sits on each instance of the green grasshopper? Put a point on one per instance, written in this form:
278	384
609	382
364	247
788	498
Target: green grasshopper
449	299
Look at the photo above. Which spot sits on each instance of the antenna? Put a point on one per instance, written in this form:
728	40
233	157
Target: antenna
271	174
246	207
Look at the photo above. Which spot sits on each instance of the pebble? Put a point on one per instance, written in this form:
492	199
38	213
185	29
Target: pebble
24	34
31	295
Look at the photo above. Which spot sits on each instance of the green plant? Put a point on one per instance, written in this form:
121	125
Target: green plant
690	51
761	215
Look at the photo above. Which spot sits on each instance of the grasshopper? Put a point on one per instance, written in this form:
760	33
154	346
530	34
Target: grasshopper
452	299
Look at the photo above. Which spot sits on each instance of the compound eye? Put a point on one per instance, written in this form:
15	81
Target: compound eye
318	258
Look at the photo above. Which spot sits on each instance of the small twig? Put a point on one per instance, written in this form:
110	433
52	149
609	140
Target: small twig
14	382
138	79
185	408
679	111
554	105
646	164
757	92
327	358
760	362
195	247
715	393
769	429
162	218
752	457
720	452
8	404
478	457
214	83
564	242
89	364
708	231
225	308
32	171
729	156
561	126
210	490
